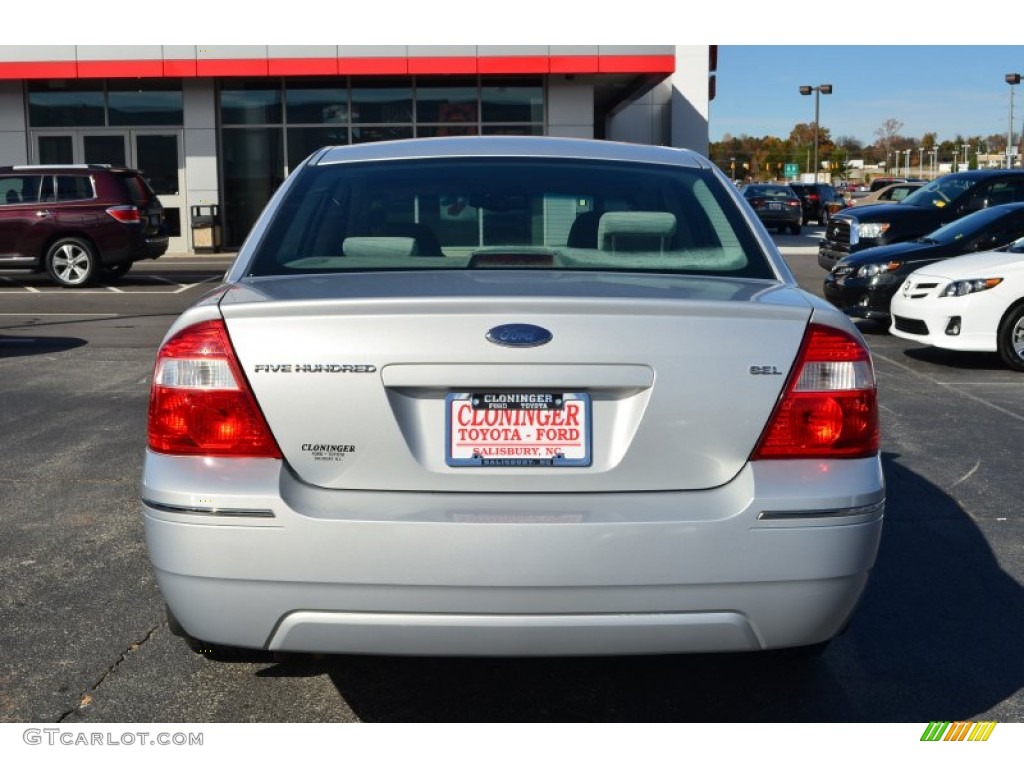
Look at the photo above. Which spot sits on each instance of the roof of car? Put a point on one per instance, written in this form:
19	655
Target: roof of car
509	146
66	167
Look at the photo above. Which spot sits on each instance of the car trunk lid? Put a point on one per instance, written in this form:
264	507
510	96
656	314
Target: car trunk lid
366	379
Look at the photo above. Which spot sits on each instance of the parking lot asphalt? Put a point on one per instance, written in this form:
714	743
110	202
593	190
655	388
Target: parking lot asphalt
937	636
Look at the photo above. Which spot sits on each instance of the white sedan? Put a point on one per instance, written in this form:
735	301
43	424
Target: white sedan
972	303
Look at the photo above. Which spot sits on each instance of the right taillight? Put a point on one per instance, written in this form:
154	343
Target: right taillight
200	403
830	405
126	214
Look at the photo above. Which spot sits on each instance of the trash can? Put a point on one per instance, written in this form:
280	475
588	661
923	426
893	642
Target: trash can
206	229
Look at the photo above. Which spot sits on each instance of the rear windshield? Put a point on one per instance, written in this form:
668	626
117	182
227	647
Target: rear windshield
494	213
768	190
137	188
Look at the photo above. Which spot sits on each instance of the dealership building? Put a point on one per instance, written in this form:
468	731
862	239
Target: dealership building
216	129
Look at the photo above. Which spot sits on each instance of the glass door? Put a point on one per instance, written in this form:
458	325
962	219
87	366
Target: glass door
158	155
105	148
55	148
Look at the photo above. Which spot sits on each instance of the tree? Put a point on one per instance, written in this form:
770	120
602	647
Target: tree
851	144
887	134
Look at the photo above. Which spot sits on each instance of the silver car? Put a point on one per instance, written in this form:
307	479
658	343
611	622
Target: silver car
511	396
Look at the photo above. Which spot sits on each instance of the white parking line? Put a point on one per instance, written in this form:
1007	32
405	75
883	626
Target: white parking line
19	285
957	389
176	287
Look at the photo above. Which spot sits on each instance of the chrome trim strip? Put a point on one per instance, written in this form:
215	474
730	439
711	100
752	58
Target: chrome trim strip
870	509
161	507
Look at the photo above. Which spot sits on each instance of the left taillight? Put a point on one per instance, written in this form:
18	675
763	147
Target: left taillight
126	214
200	403
830	405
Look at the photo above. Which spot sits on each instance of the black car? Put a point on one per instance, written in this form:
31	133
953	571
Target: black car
863	284
79	223
816	199
776	205
939	202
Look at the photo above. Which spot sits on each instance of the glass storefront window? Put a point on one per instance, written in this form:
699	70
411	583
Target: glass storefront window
302	142
512	100
92	103
158	159
382	100
450	129
450	100
66	103
365	133
312	101
513	130
253	163
250	102
145	102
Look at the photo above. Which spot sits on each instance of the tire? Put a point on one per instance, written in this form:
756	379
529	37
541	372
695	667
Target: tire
795	228
1010	339
72	263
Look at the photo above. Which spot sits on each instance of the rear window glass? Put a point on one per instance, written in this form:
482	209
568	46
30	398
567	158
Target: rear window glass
493	213
138	190
769	190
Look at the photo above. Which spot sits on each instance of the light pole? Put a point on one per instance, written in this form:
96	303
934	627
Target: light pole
920	162
935	163
817	90
967	163
1013	79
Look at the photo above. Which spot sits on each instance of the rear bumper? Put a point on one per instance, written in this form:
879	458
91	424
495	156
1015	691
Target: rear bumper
778	557
782	219
135	247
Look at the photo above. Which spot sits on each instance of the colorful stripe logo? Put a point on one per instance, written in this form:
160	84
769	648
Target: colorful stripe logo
958	731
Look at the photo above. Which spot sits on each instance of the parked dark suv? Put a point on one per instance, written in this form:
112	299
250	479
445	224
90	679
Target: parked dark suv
79	223
816	199
938	202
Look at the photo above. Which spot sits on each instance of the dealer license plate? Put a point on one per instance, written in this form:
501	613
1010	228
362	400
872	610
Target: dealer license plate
517	429
774	206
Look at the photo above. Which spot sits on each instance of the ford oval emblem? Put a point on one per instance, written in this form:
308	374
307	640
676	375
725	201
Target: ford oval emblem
519	335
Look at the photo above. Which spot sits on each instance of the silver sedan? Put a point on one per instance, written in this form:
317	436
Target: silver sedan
511	396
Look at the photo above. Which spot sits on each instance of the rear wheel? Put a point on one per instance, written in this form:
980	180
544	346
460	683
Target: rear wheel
72	263
795	228
1011	338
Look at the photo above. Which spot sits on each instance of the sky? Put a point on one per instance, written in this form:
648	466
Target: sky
948	90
